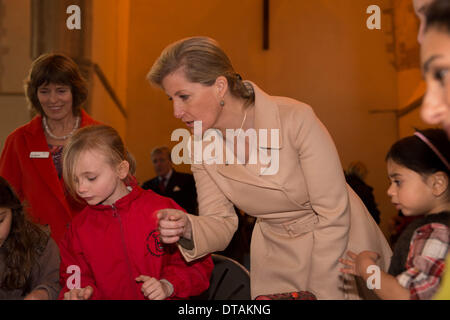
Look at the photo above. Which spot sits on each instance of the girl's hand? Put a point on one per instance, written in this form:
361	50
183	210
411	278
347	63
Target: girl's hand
79	294
39	294
358	263
173	225
153	289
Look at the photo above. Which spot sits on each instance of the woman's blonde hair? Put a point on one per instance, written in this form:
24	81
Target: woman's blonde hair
202	61
100	138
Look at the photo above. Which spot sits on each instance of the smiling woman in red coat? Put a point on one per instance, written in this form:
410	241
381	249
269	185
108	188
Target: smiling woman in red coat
31	157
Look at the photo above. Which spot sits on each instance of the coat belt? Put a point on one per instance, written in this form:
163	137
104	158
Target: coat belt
294	227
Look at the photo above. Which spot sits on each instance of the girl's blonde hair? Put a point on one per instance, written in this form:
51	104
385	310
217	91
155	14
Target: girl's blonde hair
100	138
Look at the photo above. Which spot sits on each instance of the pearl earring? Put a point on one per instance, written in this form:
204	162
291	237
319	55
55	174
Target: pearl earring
222	103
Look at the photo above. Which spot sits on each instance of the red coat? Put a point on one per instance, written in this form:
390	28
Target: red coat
113	245
35	179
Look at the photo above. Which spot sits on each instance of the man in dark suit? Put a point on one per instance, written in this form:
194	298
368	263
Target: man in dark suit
170	183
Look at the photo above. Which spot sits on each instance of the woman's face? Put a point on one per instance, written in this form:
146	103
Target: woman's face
435	67
5	224
192	101
56	100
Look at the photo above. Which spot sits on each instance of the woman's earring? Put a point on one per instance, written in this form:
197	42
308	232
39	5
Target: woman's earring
222	103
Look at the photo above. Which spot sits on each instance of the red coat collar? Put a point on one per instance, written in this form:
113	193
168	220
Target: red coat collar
122	203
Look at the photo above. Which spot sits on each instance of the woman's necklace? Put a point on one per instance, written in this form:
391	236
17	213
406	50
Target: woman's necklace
47	129
243	121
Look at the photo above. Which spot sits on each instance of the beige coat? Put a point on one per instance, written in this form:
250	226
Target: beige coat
307	216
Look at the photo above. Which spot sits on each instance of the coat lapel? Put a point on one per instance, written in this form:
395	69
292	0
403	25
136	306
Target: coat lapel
35	140
269	143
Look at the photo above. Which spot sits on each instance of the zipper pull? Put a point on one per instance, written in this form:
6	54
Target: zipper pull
114	210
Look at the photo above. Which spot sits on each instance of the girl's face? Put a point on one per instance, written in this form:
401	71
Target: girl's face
5	224
409	192
97	181
435	67
192	101
56	100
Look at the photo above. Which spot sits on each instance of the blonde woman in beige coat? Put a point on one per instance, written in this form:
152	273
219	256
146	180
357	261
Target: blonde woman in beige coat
307	216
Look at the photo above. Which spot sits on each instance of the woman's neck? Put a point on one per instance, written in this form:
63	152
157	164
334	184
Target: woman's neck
235	115
62	126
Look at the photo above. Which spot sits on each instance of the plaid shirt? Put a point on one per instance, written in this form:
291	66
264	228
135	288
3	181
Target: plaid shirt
426	260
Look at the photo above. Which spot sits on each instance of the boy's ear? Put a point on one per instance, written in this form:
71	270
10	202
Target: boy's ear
123	169
440	183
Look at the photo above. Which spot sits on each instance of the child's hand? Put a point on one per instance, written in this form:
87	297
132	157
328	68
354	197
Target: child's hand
173	224
39	294
79	294
358	263
153	289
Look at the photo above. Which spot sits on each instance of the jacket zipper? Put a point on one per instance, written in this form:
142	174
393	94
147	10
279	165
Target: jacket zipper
124	247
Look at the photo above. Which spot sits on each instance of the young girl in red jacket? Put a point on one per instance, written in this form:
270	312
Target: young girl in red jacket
112	248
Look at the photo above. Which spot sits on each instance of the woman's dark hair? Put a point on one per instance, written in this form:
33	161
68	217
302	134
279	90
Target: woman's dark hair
202	61
58	69
25	243
414	154
438	16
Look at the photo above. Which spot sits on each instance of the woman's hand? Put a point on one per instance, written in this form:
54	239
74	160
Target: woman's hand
174	224
79	294
358	263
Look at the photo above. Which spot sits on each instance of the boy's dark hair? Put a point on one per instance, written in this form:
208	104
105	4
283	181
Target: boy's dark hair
438	15
414	154
25	243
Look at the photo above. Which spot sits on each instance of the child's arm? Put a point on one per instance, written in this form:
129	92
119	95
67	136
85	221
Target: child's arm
426	261
75	271
358	265
188	279
45	274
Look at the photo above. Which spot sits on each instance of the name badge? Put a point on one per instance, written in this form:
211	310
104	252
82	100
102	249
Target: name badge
39	154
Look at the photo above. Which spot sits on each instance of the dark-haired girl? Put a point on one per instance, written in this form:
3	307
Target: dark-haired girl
419	170
29	258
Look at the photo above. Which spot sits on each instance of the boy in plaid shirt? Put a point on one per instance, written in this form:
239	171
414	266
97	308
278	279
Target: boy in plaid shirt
419	170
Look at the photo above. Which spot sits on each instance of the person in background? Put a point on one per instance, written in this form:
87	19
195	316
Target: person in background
355	176
170	183
31	157
29	258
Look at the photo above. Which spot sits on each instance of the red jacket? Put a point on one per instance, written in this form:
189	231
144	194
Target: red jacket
113	245
35	179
